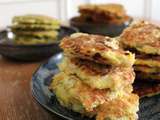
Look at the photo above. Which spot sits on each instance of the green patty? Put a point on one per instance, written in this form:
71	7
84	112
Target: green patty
35	19
33	40
37	34
33	27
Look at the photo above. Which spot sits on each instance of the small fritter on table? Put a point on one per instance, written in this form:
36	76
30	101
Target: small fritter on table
143	38
96	78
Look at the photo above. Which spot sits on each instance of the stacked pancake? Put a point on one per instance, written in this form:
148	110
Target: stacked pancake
143	38
103	13
34	29
95	78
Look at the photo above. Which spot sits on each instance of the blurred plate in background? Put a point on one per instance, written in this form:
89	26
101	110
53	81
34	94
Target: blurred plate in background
30	52
111	30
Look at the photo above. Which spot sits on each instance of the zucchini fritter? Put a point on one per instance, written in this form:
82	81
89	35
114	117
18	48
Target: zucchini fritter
143	36
74	94
97	48
34	19
98	75
122	108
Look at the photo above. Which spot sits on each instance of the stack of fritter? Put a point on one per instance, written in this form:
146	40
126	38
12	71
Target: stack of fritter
103	13
143	38
95	78
34	29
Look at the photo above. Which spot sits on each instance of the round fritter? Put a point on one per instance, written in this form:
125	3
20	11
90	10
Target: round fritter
72	93
98	75
122	108
35	19
37	34
143	36
32	40
147	62
107	10
33	27
97	48
146	69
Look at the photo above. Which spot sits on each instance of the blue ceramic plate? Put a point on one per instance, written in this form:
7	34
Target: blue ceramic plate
149	107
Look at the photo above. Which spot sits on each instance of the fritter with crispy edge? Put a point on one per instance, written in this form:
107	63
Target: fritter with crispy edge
72	93
97	48
98	75
122	108
148	62
142	36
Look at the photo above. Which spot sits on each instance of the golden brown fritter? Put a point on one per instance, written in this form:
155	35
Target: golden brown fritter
72	93
142	36
97	48
97	75
146	89
123	108
108	10
147	62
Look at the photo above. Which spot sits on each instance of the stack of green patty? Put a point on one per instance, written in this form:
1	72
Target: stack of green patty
34	29
143	38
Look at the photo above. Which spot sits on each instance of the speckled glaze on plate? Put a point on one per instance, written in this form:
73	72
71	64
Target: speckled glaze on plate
30	52
149	107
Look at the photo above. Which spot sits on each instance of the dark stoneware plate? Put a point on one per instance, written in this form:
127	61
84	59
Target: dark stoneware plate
30	52
149	107
111	30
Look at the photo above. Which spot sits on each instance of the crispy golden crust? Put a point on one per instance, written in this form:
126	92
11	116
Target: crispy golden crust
143	36
97	48
146	89
123	108
70	90
97	75
110	10
37	34
147	62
